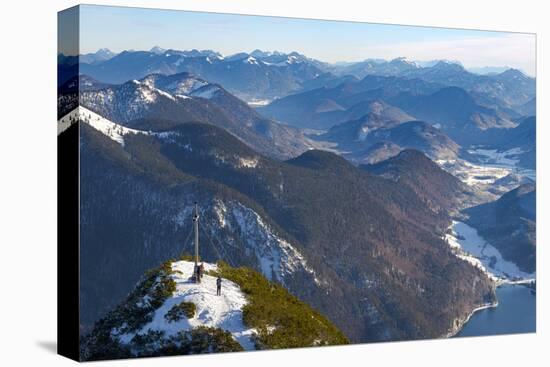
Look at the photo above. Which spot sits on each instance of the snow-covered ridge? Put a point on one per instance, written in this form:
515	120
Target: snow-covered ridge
224	312
113	130
128	101
146	92
289	60
109	128
178	87
186	87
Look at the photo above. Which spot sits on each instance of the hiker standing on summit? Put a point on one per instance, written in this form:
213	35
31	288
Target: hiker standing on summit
219	286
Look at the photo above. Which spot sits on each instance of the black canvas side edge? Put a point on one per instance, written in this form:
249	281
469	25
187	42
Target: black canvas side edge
68	222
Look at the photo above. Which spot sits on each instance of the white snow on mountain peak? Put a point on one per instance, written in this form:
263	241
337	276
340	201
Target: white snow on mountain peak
165	94
114	131
132	100
292	59
224	311
147	92
251	60
185	86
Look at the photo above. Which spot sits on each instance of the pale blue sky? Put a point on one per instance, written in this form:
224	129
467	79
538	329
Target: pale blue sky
119	28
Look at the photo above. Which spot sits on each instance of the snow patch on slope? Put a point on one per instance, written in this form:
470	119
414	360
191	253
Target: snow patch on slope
363	133
230	225
276	256
186	86
248	162
251	60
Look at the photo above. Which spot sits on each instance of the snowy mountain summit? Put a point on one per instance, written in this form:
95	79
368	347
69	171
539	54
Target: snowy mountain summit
168	313
212	311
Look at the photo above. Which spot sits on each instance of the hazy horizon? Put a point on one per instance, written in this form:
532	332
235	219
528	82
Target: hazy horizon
121	28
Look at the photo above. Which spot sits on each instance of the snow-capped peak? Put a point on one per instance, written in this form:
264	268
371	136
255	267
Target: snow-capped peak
293	59
113	130
157	50
224	311
251	60
404	60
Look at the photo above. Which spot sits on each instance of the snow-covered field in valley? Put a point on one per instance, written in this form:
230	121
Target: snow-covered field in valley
224	312
258	102
473	174
508	159
471	247
493	165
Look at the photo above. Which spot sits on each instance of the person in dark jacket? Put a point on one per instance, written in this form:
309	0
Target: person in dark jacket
219	286
198	275
202	270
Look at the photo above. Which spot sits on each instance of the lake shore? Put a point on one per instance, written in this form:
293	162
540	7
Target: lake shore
459	323
463	249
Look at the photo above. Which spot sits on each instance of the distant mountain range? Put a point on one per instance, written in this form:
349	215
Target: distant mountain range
389	127
325	107
457	118
377	67
456	112
182	98
267	75
510	86
100	55
467	108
